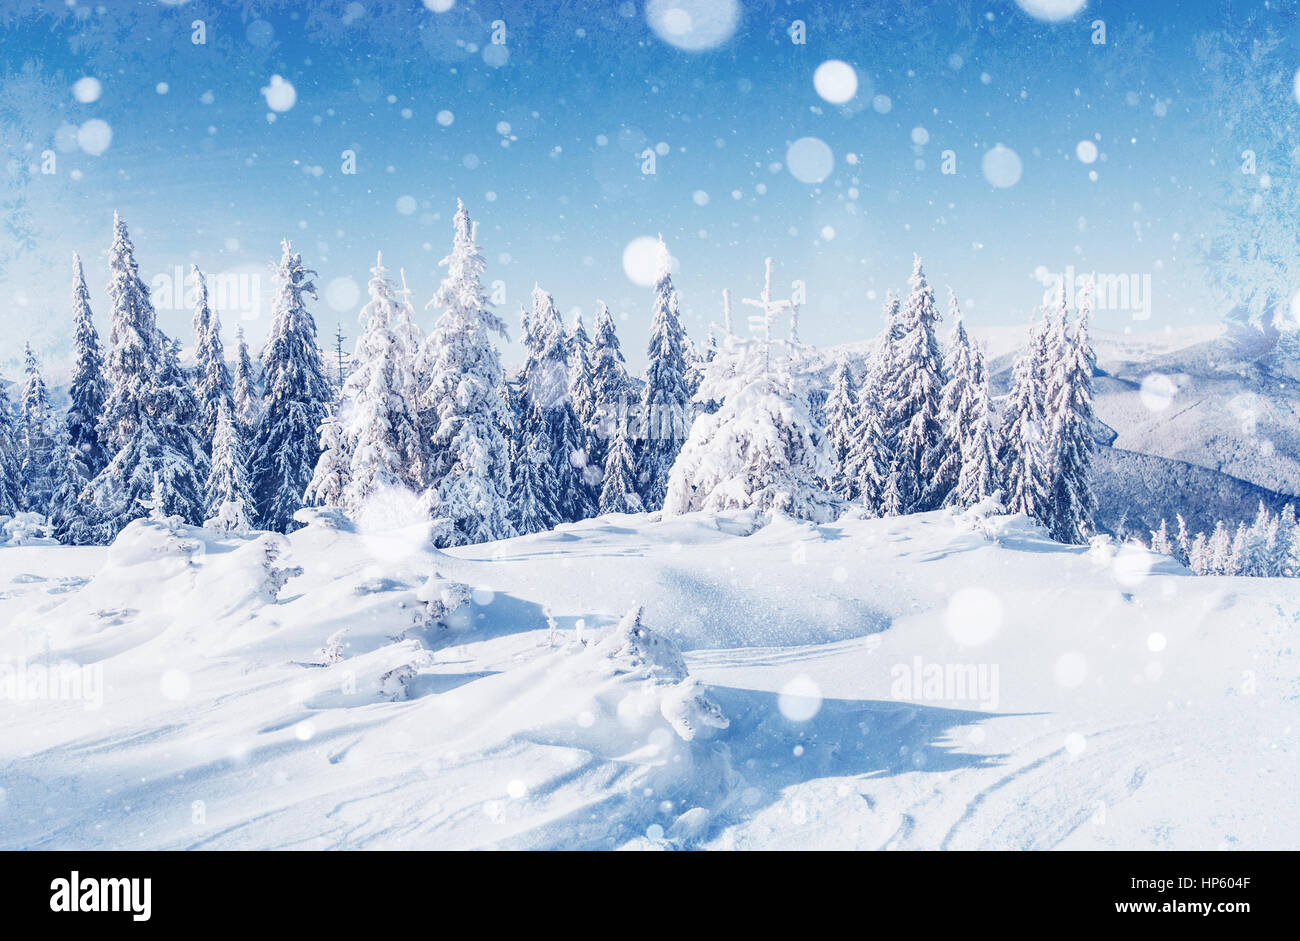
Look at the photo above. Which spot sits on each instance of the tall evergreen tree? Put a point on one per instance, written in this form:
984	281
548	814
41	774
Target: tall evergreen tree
957	407
465	405
211	374
532	501
915	397
762	449
248	401
841	419
666	397
618	488
149	414
287	443
88	390
1070	499
11	477
79	454
549	410
611	386
36	436
378	428
229	501
979	461
1022	460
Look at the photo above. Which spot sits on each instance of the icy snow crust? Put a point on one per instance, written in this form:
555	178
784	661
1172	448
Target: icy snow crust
710	681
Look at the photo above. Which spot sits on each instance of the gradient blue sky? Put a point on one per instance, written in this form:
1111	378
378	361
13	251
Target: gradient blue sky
201	175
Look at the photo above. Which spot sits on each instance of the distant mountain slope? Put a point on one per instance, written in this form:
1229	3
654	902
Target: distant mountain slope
1135	491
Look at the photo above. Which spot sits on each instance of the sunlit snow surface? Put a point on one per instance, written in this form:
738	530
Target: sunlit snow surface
339	689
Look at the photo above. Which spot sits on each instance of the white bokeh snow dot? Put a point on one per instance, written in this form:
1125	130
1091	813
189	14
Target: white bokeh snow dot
406	205
1075	744
835	81
882	104
304	730
1070	670
1086	151
974	616
654	832
809	160
94	136
1001	166
1156	642
280	94
342	293
1132	564
1157	391
827	233
445	118
693	25
1052	11
700	198
641	260
517	789
174	684
439	6
920	136
87	89
800	699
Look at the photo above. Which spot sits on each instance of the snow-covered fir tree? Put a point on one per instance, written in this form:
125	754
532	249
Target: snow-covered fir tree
618	492
80	455
871	458
957	406
36	435
333	471
248	401
979	460
1070	446
297	398
229	501
915	397
548	413
404	327
762	449
149	415
585	406
665	418
1022	444
1160	541
532	500
465	408
841	419
88	389
11	476
211	374
377	425
611	386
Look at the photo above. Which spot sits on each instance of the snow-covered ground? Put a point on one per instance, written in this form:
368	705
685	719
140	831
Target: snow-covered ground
779	691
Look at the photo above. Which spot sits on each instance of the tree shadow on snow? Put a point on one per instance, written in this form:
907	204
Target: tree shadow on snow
845	738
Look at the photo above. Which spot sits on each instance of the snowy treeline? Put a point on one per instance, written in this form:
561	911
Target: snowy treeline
1267	547
433	426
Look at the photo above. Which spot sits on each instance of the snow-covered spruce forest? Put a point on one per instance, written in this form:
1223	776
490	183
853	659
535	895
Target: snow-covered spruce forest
433	427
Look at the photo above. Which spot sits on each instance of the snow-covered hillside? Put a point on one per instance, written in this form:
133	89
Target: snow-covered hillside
924	681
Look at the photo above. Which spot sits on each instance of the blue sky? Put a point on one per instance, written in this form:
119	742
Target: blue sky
545	138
